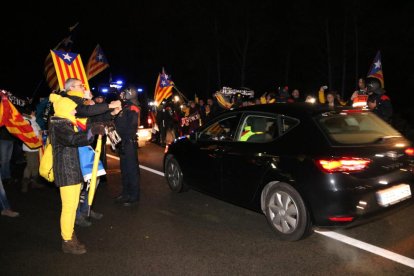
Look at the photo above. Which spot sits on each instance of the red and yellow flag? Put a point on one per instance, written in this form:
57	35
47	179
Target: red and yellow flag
16	124
97	62
163	87
68	65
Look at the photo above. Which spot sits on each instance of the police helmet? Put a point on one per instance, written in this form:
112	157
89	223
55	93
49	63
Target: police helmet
373	84
130	93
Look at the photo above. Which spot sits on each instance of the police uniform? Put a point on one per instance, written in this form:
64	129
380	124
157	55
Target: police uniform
383	107
126	124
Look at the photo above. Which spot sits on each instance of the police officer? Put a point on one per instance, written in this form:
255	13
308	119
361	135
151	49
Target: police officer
378	102
126	124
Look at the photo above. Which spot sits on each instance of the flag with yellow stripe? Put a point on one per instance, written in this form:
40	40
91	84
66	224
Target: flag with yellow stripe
68	65
11	118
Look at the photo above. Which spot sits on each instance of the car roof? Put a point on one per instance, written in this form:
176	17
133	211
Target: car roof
293	109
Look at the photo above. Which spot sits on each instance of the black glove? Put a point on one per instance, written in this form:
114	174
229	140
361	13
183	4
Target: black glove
98	129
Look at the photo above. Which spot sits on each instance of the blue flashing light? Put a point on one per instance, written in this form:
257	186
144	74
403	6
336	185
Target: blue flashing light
104	90
119	82
140	89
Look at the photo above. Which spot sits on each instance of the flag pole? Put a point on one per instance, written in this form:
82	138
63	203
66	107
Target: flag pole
179	92
92	185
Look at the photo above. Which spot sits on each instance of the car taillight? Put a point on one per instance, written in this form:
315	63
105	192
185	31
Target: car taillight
341	219
343	164
149	121
409	151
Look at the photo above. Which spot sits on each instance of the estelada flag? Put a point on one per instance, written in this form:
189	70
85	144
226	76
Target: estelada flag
68	65
11	118
96	63
376	69
163	87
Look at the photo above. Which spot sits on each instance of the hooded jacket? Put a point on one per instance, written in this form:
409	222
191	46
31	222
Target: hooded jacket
65	140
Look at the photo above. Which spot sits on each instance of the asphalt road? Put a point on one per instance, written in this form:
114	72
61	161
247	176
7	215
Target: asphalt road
190	234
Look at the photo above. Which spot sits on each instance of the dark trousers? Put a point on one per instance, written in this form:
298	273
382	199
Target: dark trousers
130	169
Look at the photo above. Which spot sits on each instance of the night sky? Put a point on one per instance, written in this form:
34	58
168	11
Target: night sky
204	45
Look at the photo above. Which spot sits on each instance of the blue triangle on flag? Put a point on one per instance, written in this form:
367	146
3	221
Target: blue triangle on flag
67	57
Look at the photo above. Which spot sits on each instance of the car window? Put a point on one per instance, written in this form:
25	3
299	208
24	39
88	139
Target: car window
355	127
287	123
223	130
257	128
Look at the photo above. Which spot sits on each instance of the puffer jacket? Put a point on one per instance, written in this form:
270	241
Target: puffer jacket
65	142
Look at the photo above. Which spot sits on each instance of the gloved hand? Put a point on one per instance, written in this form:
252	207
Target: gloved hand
98	129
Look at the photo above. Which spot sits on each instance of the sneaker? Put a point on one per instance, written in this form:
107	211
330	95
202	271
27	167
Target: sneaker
82	221
95	215
9	213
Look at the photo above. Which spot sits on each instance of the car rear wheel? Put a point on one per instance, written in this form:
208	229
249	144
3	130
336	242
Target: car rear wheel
174	175
286	213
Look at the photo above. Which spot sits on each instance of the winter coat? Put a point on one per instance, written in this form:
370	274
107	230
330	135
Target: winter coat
65	142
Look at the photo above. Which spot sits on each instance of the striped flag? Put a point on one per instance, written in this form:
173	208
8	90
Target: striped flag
11	118
66	45
163	87
376	69
222	101
68	65
97	63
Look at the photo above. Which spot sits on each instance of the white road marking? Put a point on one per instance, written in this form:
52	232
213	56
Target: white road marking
369	247
141	166
336	236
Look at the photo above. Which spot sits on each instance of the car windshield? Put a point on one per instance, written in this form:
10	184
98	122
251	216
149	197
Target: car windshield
352	127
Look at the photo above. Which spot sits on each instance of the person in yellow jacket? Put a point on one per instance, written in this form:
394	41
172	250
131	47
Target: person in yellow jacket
268	98
330	98
65	140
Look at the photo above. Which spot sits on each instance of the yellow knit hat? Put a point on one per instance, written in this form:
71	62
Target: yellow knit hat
63	107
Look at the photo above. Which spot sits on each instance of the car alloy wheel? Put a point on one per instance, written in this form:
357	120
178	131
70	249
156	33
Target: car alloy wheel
174	174
287	213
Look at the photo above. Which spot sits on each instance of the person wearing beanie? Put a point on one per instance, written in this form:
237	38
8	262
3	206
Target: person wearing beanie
65	140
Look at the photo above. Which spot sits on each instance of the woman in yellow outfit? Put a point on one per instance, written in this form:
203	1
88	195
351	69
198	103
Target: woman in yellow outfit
65	140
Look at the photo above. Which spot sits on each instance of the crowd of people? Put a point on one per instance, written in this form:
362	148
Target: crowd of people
174	119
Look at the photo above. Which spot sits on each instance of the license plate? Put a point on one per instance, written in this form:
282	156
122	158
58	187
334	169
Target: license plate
393	195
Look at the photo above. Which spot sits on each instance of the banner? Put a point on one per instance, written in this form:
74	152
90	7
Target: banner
86	158
68	65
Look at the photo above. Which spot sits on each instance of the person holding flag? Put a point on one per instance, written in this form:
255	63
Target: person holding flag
65	140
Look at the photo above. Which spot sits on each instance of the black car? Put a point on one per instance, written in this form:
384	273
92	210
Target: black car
302	165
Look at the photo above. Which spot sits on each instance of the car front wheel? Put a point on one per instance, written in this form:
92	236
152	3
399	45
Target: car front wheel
286	213
174	175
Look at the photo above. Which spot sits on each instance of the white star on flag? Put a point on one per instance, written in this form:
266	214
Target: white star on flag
67	56
378	64
100	57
